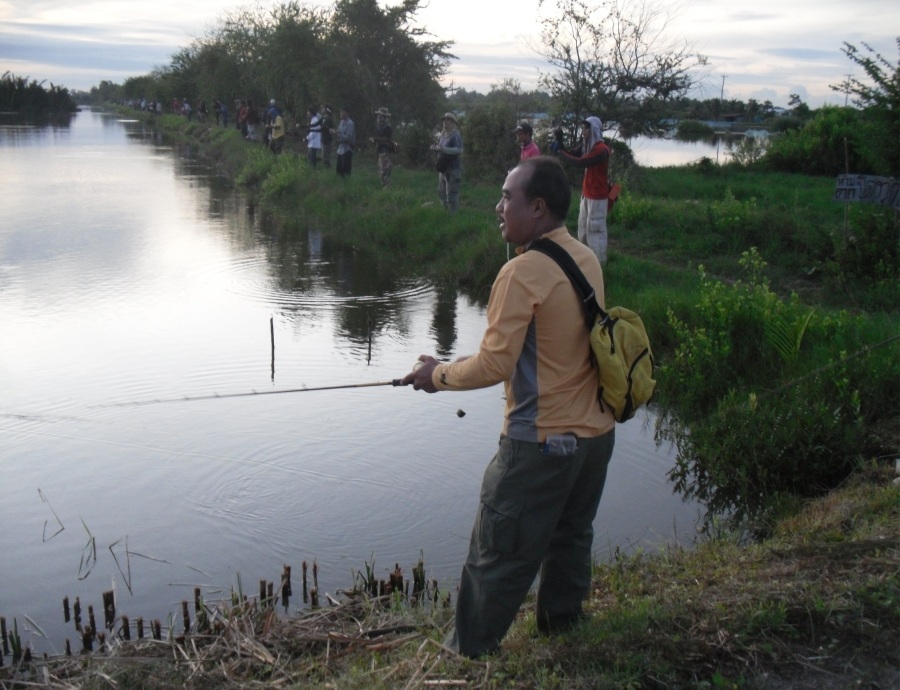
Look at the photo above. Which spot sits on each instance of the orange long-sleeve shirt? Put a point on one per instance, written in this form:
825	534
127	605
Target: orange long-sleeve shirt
536	342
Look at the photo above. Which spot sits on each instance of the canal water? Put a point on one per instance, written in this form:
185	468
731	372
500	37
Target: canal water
129	272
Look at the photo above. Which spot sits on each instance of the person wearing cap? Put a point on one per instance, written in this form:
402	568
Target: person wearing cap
592	157
524	132
275	129
449	149
327	134
271	112
384	145
346	138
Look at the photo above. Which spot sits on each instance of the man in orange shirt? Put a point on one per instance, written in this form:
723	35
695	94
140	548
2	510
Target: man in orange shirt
540	493
592	157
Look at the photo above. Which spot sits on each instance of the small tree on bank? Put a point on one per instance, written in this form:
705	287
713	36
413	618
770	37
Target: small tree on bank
880	103
614	60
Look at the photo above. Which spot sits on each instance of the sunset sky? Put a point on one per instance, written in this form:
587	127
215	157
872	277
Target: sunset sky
765	50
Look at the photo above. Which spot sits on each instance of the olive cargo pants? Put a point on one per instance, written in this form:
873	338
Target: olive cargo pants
535	515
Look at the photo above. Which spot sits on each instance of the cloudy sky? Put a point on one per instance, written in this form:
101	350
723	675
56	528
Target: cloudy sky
767	49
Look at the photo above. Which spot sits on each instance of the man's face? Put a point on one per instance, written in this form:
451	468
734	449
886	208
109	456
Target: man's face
521	136
344	114
585	131
517	215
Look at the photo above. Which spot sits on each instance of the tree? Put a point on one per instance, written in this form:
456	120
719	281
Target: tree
355	53
613	59
19	95
880	103
382	60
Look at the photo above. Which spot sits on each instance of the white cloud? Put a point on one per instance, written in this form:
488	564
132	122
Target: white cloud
775	47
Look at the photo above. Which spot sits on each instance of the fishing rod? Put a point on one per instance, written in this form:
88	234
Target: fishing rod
220	396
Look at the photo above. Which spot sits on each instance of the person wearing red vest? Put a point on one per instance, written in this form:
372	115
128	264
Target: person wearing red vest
592	157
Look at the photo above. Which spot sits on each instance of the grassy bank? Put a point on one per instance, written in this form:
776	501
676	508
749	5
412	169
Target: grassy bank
813	604
814	607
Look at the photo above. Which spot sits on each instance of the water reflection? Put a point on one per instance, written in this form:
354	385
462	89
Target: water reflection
443	323
658	152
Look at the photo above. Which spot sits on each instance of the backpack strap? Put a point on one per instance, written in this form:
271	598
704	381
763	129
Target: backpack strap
588	295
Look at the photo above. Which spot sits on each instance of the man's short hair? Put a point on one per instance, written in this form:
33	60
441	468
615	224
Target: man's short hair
548	181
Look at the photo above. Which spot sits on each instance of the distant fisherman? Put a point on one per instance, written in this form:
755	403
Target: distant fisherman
592	157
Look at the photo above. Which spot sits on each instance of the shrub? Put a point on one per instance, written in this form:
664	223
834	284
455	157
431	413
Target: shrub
748	151
866	259
490	148
763	398
692	130
829	144
734	221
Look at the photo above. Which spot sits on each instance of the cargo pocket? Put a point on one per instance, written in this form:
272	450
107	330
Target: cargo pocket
498	531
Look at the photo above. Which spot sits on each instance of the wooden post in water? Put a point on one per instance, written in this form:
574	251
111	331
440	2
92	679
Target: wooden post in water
286	586
92	622
4	635
272	337
305	592
186	616
66	616
77	611
109	609
140	627
126	628
156	629
262	594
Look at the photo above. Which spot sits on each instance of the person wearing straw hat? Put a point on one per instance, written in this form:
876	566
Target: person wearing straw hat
384	145
449	149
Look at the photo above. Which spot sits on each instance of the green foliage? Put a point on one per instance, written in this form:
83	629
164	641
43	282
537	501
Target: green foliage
744	439
866	260
880	101
30	98
786	123
284	180
693	130
490	147
357	53
748	151
829	144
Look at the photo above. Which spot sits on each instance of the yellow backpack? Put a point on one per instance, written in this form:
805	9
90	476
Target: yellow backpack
619	342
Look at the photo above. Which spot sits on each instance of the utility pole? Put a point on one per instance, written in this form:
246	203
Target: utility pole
721	98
